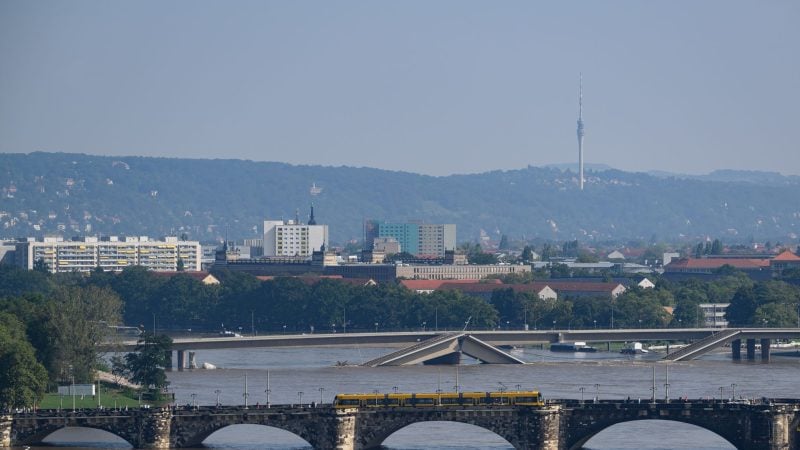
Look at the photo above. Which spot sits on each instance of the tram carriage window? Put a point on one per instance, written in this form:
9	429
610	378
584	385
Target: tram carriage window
348	402
425	401
450	401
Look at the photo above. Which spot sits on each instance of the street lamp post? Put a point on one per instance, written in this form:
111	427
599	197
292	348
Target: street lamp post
733	391
554	325
525	317
595	324
194	400
376	327
721	393
321	390
72	387
394	388
582	389
612	313
284	329
245	394
300	398
596	392
424	325
217	391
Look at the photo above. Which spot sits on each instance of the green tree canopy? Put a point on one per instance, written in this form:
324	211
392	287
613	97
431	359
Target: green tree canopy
23	379
146	364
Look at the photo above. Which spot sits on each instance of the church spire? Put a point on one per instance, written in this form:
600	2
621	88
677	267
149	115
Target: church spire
311	220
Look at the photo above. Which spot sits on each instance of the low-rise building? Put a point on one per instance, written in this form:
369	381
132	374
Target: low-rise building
714	314
458	272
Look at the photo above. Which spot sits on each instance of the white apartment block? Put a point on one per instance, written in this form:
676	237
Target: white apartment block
291	238
110	253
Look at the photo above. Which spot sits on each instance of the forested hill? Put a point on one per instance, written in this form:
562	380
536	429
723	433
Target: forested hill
75	194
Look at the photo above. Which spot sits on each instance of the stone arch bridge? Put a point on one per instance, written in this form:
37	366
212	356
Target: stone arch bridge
561	425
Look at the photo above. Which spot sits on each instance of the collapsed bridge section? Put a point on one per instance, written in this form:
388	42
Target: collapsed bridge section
445	348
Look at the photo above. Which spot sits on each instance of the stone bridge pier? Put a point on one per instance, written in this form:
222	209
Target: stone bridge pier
524	428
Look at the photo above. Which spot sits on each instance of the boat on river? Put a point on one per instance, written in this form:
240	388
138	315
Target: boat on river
572	347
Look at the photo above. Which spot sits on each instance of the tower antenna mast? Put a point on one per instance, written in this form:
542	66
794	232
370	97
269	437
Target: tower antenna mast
580	132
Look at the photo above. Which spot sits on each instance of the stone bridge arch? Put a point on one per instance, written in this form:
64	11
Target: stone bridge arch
523	428
739	427
37	433
191	430
583	440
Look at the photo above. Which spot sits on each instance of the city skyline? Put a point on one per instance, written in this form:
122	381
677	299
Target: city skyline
437	89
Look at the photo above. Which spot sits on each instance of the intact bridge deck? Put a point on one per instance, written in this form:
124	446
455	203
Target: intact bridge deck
515	337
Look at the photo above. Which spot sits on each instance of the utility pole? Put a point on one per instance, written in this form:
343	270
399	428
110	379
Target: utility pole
666	383
654	385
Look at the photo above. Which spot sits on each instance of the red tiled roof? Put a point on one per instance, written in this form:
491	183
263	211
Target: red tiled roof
197	275
432	285
786	255
715	263
571	286
491	287
312	280
577	286
305	279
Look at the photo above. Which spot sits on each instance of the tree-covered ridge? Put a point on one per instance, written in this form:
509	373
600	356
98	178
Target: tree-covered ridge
86	194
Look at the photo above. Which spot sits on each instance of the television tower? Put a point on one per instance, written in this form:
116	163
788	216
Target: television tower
580	132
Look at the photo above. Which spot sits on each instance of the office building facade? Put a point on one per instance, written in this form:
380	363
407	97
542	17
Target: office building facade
422	240
289	238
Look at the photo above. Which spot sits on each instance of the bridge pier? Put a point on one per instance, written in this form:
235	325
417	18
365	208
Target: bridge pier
181	360
736	349
751	349
765	343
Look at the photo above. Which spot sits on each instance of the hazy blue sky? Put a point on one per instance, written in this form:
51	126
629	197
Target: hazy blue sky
435	87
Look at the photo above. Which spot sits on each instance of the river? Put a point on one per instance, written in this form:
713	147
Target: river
306	375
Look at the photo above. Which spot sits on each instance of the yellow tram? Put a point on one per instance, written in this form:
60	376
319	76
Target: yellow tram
432	399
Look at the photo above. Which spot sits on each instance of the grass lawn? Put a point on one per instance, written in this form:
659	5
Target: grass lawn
108	398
